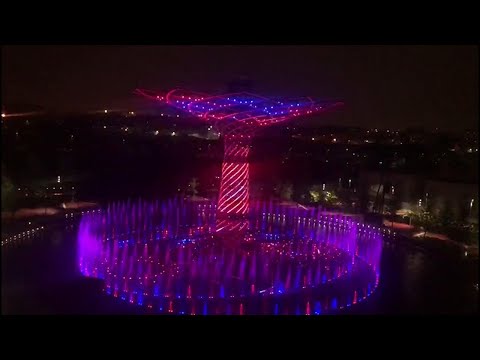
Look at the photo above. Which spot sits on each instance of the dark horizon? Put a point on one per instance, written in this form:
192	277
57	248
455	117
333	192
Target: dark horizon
382	86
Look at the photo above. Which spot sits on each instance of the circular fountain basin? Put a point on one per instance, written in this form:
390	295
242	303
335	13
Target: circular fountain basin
177	258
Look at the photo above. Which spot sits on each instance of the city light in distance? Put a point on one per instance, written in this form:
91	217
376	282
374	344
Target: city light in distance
173	133
105	111
3	114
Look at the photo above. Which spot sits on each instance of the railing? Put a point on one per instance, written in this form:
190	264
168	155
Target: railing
25	229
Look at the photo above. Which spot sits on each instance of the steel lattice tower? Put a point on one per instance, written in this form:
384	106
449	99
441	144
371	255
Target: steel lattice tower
237	117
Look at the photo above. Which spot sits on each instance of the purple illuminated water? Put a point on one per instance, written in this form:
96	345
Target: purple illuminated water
176	257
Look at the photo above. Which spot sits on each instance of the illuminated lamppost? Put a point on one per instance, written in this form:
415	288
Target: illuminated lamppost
470	211
45	194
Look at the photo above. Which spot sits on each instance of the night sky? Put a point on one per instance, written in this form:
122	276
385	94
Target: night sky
382	86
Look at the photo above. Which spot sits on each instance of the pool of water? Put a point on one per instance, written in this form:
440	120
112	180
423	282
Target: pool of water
40	275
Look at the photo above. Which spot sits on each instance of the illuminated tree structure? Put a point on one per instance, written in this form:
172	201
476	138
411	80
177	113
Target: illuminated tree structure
237	117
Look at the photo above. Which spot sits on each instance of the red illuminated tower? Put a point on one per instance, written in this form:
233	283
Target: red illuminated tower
237	117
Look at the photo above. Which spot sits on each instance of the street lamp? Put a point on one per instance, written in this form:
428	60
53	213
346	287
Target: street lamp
470	211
